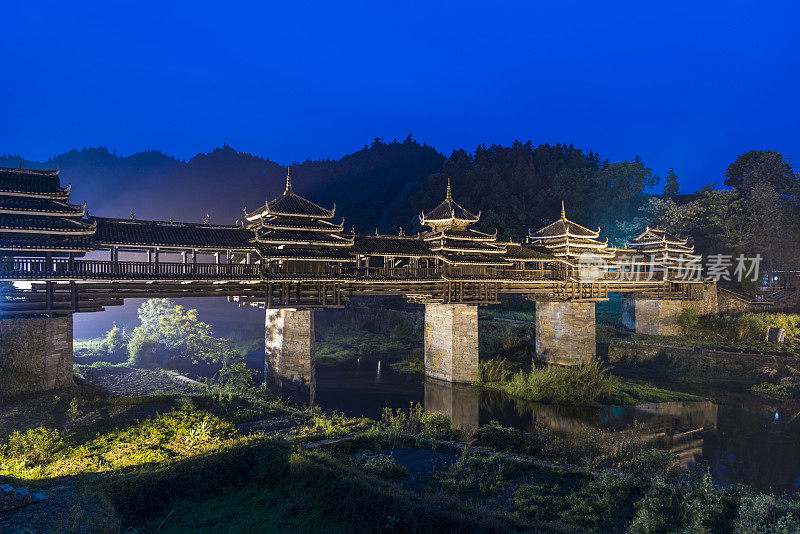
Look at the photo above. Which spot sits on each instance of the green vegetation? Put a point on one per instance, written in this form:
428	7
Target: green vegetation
413	364
382	465
182	464
505	340
740	332
343	343
477	473
168	330
418	422
585	384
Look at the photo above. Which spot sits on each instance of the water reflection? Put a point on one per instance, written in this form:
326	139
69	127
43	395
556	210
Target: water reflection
737	444
460	402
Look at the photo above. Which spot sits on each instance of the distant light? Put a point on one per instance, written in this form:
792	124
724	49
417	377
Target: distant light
777	416
775	278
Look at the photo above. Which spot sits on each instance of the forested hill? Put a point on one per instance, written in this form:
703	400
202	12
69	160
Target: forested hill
384	185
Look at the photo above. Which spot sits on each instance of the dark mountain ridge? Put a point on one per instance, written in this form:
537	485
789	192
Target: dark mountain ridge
384	185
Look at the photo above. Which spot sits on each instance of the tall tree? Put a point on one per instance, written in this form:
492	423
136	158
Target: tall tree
762	167
671	186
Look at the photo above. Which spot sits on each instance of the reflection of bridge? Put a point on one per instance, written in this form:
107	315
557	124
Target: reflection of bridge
679	427
291	259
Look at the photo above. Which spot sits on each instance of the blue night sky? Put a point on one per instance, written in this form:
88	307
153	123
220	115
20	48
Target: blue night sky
682	84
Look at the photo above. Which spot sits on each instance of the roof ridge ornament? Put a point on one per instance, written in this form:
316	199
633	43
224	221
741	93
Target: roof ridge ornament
288	180
449	196
563	211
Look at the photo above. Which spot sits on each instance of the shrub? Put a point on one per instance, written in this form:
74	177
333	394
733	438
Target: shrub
540	502
476	473
34	446
604	503
143	351
688	319
581	384
114	344
767	514
418	422
684	508
385	466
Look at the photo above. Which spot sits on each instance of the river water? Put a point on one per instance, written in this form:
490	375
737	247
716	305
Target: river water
757	445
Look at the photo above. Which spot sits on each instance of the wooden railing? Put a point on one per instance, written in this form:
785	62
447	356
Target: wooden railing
61	268
38	268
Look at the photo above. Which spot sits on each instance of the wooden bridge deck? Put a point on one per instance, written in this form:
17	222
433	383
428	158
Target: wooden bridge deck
70	286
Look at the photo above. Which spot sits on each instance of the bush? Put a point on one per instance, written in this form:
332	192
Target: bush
418	422
384	466
114	345
476	473
604	503
144	351
688	319
35	446
581	384
684	508
767	514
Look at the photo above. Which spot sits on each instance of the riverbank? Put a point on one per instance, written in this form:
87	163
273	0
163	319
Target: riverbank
768	376
178	462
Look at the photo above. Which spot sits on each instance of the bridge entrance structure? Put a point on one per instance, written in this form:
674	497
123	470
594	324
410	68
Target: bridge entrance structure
291	258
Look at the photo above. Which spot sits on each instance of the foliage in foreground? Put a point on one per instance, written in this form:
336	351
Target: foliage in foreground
419	422
584	384
41	452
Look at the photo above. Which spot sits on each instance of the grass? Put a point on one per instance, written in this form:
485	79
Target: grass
418	422
413	364
772	391
727	332
343	343
581	385
188	469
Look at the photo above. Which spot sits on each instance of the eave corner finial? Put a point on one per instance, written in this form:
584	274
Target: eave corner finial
449	192
563	211
288	179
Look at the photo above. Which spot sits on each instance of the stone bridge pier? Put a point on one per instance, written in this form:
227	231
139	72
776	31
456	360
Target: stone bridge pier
565	332
289	359
659	317
451	342
35	353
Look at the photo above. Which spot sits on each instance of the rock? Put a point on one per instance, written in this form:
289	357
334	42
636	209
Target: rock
36	497
22	492
7	487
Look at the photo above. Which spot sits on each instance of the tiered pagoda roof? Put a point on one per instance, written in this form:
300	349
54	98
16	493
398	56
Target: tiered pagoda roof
568	240
35	214
453	241
662	246
292	227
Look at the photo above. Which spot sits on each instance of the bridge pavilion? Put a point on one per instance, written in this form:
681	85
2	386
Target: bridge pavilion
292	258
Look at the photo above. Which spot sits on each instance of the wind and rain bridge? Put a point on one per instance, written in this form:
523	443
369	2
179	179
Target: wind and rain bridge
291	258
